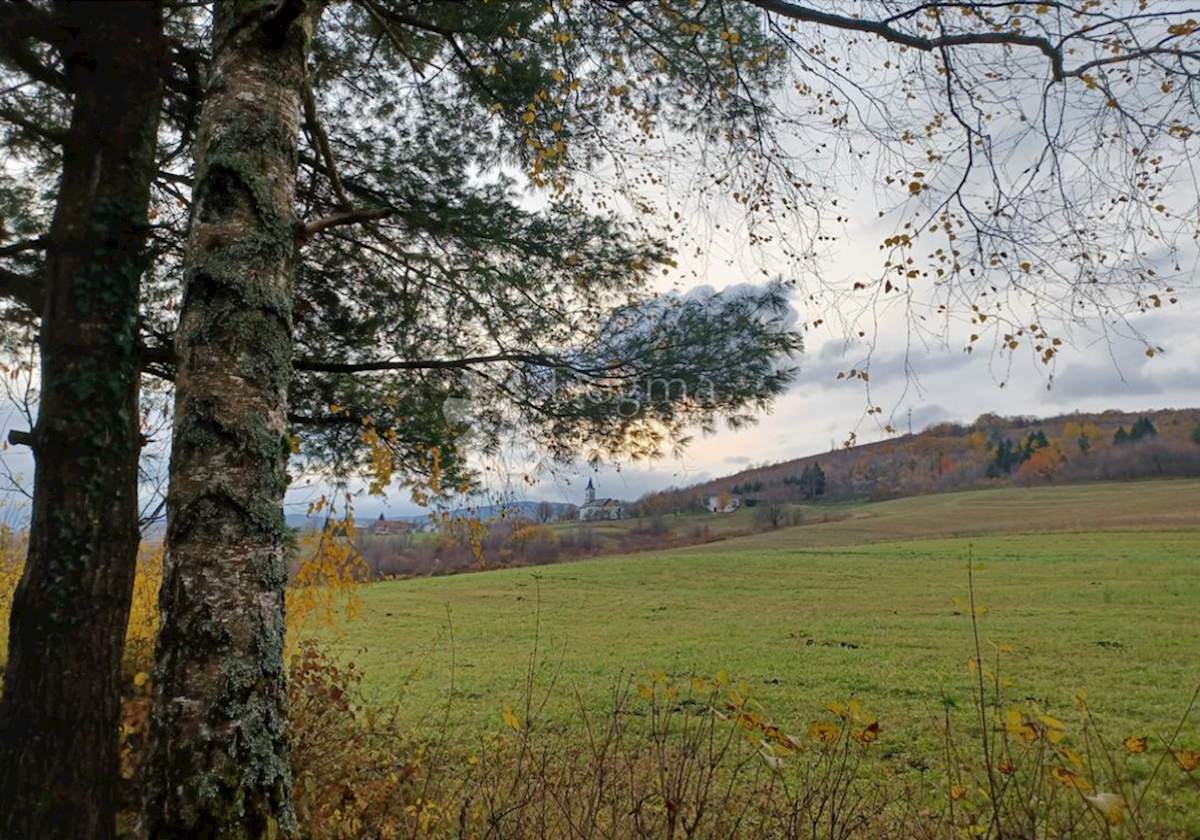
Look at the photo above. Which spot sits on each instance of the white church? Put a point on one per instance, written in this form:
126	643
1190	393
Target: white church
593	508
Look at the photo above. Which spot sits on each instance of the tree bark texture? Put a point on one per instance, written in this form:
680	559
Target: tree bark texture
218	763
60	712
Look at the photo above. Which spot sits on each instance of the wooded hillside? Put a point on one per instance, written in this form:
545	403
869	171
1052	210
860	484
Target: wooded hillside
991	451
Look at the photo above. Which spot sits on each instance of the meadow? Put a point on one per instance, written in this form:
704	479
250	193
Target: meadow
1093	588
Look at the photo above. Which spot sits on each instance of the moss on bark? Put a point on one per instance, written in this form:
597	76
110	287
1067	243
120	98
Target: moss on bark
218	759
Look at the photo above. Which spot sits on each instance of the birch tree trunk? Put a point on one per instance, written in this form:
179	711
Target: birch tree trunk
218	764
60	712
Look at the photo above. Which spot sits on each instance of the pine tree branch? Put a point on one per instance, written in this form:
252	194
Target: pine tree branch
22	288
20	22
313	121
385	19
350	217
19	438
315	366
53	136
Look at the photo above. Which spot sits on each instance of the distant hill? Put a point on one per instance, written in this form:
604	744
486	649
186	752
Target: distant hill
992	451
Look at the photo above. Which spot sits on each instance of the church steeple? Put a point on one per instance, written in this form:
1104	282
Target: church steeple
589	493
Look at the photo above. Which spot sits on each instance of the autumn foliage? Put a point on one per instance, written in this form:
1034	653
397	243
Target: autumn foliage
991	451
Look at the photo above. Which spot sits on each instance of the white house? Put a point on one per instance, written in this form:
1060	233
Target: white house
593	508
713	503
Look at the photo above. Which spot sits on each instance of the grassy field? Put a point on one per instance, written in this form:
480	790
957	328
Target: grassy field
1107	603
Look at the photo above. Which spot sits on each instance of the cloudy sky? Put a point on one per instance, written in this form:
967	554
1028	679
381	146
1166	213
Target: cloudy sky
1100	367
935	382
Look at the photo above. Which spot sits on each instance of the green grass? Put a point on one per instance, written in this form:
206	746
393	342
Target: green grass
806	615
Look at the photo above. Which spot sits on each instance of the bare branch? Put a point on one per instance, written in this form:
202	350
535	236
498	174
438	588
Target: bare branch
313	122
804	14
350	217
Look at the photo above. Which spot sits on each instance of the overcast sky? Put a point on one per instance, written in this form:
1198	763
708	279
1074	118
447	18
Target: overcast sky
936	383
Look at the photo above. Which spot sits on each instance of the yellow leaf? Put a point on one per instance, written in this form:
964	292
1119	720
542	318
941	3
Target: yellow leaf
141	679
1073	757
1053	722
868	734
824	733
1071	779
1188	760
1136	744
512	720
1014	722
957	792
646	691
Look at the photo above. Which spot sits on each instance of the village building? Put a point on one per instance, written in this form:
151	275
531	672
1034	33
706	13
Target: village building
391	527
593	508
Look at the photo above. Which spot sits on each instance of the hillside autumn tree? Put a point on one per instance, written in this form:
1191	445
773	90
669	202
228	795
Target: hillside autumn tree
103	69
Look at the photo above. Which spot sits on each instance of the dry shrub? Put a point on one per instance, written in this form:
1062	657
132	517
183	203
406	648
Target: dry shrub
679	757
13	546
354	769
143	612
693	760
700	759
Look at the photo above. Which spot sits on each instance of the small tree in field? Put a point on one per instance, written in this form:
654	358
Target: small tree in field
772	514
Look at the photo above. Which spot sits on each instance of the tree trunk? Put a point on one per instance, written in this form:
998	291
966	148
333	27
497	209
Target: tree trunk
218	765
60	711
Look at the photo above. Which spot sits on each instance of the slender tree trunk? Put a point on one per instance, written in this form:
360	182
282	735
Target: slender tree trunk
60	711
218	764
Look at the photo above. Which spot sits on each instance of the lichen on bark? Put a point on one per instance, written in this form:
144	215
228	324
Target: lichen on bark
218	761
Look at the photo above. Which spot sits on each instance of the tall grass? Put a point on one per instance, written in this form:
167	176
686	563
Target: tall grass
680	756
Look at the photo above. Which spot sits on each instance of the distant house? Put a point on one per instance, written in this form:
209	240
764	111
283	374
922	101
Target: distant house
593	508
715	505
390	527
